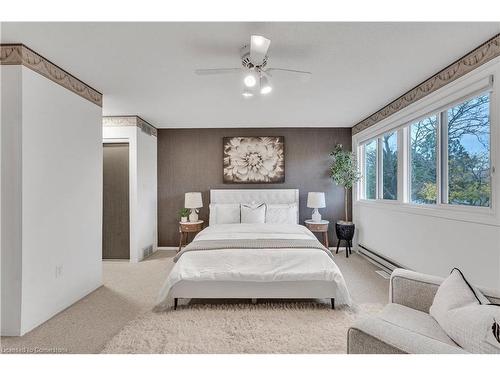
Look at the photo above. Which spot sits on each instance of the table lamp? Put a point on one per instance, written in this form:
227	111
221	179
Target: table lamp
192	200
316	200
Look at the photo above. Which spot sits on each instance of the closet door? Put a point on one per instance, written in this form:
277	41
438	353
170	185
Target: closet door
116	204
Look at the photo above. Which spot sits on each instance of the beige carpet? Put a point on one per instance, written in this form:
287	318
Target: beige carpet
272	327
130	290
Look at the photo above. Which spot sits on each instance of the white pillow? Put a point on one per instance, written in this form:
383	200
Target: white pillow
454	292
476	328
253	213
281	213
221	213
466	315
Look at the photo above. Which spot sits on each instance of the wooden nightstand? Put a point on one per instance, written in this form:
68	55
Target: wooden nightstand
186	228
319	227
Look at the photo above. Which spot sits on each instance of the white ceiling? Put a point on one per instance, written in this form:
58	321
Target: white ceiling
147	68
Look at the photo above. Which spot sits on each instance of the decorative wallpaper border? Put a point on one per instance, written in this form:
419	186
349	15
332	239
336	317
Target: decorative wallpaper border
19	54
482	54
132	120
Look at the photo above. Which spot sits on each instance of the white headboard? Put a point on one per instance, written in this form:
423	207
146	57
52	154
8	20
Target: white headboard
268	196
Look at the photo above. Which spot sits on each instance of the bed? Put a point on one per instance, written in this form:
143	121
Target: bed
279	259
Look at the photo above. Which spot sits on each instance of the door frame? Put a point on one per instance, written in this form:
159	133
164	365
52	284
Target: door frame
132	178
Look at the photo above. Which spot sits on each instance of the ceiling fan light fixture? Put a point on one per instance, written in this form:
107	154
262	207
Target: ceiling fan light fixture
254	71
266	90
265	86
258	40
247	93
250	80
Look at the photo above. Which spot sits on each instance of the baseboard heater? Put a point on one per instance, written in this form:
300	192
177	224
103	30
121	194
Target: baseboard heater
379	259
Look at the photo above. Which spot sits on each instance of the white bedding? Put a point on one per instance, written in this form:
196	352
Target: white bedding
255	265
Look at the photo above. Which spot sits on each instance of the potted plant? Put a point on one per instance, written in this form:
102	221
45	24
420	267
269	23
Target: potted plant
344	172
184	213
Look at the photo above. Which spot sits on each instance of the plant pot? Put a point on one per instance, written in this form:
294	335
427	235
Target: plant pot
184	219
345	232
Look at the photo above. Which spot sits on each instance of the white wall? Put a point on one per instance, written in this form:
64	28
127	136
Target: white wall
142	187
147	230
61	199
436	240
11	126
432	245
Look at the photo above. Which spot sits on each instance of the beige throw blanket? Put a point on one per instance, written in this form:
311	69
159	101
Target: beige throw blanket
241	244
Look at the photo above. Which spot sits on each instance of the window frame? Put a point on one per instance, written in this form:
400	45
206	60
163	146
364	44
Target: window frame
444	164
440	102
379	175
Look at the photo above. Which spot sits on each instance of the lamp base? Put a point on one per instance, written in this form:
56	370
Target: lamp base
193	216
316	216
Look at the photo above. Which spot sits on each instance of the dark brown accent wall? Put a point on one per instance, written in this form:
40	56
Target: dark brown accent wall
191	160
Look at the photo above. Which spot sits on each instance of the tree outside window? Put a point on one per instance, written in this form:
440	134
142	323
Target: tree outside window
371	170
390	166
423	159
469	152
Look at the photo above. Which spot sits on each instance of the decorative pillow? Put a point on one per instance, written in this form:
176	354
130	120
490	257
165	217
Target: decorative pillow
475	328
454	292
224	213
281	214
253	213
466	315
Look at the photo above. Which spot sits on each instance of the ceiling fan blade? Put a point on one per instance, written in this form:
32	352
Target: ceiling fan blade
288	71
258	49
203	72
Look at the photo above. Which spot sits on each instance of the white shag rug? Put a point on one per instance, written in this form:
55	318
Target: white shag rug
270	327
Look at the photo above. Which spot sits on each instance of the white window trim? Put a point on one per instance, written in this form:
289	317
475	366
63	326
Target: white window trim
473	83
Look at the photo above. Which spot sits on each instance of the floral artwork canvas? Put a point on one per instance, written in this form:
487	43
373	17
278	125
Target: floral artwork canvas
254	160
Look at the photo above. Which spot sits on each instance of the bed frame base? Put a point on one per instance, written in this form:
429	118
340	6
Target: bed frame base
293	290
254	300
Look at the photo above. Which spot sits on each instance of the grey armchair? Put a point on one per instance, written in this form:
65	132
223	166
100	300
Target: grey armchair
404	325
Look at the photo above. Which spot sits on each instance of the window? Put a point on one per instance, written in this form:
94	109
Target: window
468	134
390	166
446	154
423	161
371	170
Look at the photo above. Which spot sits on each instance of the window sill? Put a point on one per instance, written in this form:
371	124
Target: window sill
478	215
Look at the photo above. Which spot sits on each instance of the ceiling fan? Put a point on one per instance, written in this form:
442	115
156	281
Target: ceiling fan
256	74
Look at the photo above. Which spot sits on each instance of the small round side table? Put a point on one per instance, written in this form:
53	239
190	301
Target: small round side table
319	227
188	227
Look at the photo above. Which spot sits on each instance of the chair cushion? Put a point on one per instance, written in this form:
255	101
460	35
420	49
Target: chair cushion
415	321
407	330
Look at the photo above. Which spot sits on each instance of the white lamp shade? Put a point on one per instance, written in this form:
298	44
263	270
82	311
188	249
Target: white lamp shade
193	200
316	200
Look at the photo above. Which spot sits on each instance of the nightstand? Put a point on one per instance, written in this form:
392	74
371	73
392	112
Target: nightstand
319	227
186	228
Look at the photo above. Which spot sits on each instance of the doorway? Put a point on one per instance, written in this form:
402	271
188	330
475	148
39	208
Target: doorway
116	202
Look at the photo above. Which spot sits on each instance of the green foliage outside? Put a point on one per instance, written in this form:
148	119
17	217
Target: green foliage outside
423	172
371	170
390	166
